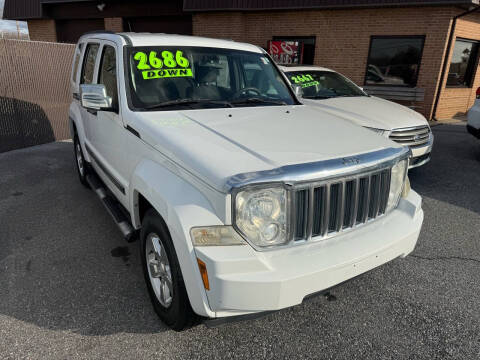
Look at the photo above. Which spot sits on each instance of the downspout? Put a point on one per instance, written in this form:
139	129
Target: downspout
445	57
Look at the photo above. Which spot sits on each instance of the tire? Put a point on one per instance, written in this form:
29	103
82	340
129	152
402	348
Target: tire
174	310
80	163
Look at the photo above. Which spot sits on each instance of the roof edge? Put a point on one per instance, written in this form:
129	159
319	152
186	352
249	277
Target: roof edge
201	6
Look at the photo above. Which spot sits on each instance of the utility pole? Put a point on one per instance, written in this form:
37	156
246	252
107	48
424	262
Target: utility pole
18	30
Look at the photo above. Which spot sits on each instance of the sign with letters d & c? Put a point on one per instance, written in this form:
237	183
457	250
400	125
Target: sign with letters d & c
286	52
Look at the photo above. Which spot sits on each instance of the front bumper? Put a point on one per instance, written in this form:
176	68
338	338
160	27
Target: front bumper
244	281
421	154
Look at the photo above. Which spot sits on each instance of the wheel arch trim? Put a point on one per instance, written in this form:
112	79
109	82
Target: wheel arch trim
181	206
75	123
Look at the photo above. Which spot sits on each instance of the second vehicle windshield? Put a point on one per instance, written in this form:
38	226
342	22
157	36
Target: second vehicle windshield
323	84
167	78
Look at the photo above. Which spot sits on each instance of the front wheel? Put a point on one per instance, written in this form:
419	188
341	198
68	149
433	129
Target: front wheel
80	162
163	275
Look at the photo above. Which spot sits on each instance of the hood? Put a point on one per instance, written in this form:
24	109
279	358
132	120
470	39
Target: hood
370	111
216	144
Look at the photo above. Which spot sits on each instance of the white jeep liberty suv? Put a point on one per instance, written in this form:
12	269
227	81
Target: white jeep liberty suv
244	200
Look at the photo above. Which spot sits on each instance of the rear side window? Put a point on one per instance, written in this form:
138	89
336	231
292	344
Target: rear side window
108	73
89	64
78	52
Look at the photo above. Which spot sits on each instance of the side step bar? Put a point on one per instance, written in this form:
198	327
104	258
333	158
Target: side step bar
113	208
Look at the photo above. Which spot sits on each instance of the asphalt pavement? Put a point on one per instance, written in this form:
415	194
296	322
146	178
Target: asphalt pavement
70	287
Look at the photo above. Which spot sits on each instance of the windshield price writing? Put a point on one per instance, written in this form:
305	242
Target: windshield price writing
167	65
305	80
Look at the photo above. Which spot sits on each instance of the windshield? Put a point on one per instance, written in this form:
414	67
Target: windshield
166	78
323	84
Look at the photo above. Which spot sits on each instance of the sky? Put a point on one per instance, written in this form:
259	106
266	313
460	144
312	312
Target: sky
11	26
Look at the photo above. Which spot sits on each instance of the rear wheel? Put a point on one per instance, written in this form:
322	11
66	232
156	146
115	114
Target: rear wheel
81	164
163	275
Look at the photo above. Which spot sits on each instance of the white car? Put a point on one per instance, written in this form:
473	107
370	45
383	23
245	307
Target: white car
244	200
340	96
473	117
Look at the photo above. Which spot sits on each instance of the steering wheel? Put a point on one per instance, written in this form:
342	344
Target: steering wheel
245	90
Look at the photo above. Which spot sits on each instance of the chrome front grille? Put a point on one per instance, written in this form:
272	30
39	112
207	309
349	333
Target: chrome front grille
415	136
322	210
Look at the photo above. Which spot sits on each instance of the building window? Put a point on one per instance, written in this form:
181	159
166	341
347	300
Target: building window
463	63
394	60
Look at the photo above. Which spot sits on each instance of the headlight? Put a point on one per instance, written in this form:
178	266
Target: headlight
260	215
396	183
377	131
406	188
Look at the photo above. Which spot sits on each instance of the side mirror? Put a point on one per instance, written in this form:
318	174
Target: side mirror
297	89
94	96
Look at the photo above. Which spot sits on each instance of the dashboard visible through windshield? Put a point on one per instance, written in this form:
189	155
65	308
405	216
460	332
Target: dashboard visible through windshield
167	78
323	84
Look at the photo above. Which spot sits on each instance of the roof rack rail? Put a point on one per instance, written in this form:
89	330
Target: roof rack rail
99	32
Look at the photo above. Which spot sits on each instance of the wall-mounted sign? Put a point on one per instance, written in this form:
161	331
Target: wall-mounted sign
286	52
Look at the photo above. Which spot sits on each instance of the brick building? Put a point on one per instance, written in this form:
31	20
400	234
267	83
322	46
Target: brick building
400	46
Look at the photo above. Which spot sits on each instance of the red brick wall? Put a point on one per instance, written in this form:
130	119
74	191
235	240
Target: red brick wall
456	101
342	36
42	30
114	24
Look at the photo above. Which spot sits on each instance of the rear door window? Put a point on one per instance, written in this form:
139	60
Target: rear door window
89	64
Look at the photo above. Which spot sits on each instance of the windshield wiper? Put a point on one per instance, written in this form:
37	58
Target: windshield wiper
257	100
331	97
351	95
318	97
187	102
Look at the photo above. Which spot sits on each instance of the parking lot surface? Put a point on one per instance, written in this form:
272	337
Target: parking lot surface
70	287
